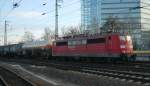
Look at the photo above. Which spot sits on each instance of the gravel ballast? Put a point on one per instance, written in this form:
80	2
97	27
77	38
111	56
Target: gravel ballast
72	78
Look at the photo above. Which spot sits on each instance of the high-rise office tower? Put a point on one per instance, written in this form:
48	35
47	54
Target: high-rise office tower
134	14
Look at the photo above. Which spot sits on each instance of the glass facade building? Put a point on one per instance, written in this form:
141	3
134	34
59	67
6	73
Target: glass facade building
133	12
90	14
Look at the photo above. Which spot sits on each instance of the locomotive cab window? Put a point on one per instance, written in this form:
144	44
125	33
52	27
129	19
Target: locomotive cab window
98	40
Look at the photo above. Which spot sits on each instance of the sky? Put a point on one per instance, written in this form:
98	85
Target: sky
28	17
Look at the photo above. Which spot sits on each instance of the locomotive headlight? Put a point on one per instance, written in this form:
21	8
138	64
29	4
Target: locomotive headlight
128	38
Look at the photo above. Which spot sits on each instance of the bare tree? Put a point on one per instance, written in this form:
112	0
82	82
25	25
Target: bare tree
115	25
49	35
28	36
95	26
72	30
112	24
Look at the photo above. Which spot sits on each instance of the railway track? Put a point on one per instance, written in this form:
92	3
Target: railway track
131	67
135	77
8	78
128	75
3	82
142	78
120	67
133	73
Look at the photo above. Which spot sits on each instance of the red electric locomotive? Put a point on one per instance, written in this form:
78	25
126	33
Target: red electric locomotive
97	46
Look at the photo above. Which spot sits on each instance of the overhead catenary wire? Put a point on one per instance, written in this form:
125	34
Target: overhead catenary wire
12	9
20	1
15	5
8	13
65	6
67	14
